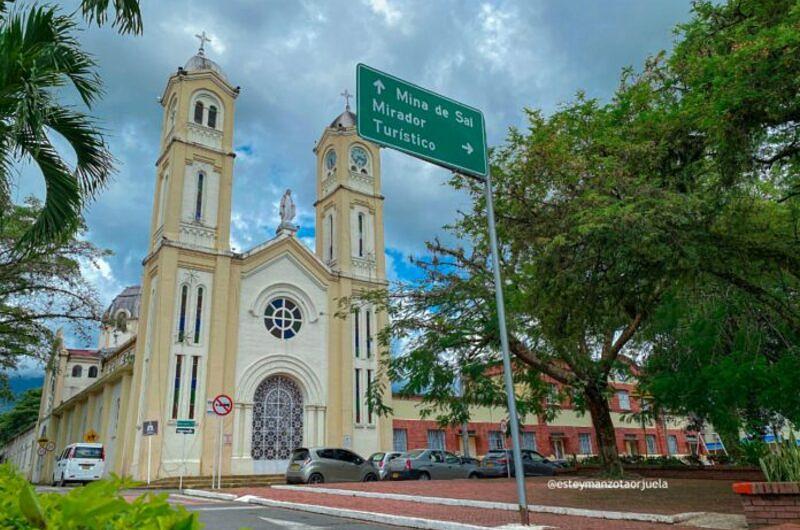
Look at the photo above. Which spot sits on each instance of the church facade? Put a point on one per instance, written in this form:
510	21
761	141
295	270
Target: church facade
260	326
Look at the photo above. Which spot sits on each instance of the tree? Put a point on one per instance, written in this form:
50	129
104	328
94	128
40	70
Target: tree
606	213
39	55
44	287
22	416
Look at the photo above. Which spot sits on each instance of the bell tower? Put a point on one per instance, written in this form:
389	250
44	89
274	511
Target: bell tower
192	203
180	357
349	206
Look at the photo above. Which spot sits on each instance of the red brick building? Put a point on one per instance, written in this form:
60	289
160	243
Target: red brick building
570	433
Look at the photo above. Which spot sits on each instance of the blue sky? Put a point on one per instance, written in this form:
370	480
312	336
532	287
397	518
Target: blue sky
293	58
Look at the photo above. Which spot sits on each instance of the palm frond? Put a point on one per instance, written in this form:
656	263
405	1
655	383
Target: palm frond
38	56
61	214
94	161
127	15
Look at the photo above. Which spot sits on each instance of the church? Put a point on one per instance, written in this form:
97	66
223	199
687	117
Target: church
259	326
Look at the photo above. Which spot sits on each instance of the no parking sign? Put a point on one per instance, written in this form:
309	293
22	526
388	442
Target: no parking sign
222	405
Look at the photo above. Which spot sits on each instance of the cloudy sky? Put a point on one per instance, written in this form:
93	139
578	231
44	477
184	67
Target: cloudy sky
293	58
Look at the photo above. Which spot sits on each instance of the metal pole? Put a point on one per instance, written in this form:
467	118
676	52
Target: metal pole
183	457
219	452
149	452
501	320
214	471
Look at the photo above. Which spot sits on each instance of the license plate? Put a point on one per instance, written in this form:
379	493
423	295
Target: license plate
395	475
294	467
489	464
86	466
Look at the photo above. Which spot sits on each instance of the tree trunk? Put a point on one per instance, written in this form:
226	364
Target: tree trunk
605	436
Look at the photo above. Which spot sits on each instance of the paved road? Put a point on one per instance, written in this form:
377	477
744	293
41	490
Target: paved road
222	515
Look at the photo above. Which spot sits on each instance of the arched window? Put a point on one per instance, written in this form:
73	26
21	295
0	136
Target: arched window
121	322
198	207
212	116
198	315
77	370
198	112
92	371
162	200
330	239
360	235
182	314
173	111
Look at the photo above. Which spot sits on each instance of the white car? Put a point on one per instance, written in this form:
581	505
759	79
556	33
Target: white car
81	462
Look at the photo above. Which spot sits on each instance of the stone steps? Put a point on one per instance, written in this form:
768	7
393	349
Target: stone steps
228	481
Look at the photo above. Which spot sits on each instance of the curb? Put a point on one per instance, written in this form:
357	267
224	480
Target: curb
210	494
383	518
540	508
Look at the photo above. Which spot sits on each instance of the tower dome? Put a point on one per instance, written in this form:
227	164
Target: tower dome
344	120
347	118
199	61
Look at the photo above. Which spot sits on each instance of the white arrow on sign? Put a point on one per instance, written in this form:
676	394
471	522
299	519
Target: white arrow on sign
468	148
379	86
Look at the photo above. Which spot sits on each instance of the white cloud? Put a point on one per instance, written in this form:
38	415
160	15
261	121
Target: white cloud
100	274
391	15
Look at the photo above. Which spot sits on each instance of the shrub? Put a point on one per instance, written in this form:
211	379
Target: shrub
750	452
783	464
96	506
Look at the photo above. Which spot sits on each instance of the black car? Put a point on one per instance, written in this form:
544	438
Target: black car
497	463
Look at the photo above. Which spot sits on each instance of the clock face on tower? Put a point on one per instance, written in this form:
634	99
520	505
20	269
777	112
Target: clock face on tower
330	160
359	158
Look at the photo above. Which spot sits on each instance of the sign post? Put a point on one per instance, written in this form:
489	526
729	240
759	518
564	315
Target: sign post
222	405
397	114
183	427
149	429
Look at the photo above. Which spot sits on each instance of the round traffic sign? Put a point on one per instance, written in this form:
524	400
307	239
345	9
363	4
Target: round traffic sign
41	451
51	446
222	405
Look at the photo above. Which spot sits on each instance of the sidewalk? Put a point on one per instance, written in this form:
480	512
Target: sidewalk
682	495
437	512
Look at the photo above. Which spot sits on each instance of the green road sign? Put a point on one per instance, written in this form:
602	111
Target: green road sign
185	423
398	114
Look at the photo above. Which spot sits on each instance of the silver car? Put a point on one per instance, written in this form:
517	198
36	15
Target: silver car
328	464
427	464
381	462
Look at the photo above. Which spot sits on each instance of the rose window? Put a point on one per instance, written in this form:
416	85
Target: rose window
283	318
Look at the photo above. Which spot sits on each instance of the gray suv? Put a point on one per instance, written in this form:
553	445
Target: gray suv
328	464
427	464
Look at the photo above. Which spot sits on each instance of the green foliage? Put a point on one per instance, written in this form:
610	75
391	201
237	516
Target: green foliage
40	289
783	463
98	505
750	452
39	57
22	416
639	460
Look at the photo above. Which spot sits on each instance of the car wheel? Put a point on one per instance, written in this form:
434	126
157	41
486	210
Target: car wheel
424	476
370	477
62	483
474	475
316	478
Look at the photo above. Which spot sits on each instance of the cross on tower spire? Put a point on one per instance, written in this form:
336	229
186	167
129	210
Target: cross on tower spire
346	95
203	39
